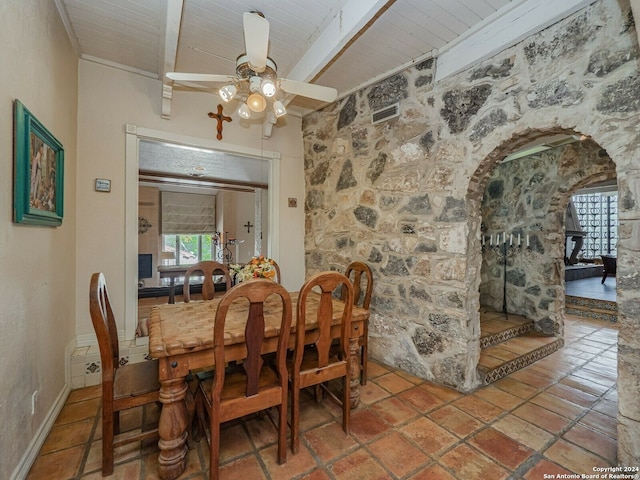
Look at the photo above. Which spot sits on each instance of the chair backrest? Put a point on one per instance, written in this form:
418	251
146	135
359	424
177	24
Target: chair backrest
362	283
277	267
328	284
209	270
256	293
610	263
104	325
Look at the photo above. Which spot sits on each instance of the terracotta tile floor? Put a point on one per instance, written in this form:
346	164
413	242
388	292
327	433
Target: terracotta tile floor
556	416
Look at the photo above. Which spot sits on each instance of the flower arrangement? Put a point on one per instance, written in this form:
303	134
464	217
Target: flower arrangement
257	267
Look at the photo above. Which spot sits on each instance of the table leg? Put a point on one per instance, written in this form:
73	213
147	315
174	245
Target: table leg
172	290
172	429
354	348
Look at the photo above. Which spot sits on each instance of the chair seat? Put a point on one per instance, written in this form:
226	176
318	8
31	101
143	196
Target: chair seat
310	359
135	379
310	364
233	392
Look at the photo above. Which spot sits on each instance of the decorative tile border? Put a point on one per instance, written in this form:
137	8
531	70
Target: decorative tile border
508	368
86	367
591	303
608	317
500	337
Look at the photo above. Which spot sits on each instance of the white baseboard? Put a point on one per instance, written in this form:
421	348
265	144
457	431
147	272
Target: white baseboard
22	469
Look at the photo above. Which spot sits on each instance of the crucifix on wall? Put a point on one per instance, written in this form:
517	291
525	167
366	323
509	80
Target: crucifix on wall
248	225
220	118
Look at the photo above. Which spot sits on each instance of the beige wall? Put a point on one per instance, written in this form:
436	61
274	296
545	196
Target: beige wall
108	100
38	264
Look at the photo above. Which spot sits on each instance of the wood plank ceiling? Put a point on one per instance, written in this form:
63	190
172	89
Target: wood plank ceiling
338	43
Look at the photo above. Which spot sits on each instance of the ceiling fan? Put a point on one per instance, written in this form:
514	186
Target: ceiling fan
256	81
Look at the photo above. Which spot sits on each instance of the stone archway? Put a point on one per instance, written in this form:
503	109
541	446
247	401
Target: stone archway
527	198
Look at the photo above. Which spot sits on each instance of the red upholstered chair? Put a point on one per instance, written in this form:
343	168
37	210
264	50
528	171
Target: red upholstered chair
317	364
209	270
252	386
123	386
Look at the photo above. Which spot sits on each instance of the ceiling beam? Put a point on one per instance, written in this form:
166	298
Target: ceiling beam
347	24
505	28
68	27
169	51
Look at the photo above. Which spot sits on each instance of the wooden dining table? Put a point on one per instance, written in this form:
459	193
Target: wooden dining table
181	339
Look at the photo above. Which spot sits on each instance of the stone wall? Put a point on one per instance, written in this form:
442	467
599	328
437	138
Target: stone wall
405	195
528	197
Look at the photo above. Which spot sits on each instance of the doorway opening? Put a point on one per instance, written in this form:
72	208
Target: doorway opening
523	248
230	171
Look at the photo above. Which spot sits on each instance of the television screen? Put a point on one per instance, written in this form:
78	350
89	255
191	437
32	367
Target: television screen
145	265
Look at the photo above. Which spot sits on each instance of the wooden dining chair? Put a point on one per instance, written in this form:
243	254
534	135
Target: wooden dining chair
277	267
123	386
317	365
362	279
209	269
253	386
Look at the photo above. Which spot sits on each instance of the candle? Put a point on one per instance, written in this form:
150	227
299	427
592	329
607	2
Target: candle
482	239
504	237
511	239
491	240
519	242
527	239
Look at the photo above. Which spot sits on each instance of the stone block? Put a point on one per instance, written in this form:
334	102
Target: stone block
629	370
452	269
388	91
622	96
461	105
454	239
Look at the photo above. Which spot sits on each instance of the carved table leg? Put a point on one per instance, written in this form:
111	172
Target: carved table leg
172	429
354	347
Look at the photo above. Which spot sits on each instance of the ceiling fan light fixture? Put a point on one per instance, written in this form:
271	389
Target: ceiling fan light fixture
278	109
268	87
255	84
227	93
256	102
244	111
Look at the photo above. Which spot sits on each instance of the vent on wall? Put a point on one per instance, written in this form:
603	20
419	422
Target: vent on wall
385	113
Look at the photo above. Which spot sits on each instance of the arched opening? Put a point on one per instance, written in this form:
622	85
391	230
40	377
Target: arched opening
522	200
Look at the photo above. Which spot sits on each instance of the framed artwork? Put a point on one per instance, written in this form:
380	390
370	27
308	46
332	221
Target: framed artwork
38	171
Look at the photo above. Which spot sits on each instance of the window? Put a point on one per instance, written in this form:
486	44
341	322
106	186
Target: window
189	249
598	215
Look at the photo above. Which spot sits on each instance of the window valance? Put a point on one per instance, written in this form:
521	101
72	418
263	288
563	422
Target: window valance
187	213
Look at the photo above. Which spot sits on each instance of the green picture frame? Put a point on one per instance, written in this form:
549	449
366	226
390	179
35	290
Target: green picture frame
38	171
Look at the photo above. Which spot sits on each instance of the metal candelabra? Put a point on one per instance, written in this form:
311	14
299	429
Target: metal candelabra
224	253
504	254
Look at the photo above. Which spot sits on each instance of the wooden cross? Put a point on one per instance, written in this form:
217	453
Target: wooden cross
248	225
220	118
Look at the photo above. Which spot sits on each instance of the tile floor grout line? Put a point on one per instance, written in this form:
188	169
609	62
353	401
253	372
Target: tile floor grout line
87	449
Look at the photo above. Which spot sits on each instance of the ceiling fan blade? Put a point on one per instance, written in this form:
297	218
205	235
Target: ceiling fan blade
199	77
309	90
256	40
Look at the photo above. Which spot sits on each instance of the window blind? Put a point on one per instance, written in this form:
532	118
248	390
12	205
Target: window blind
187	213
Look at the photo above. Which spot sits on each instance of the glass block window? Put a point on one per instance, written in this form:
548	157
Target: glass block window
598	215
